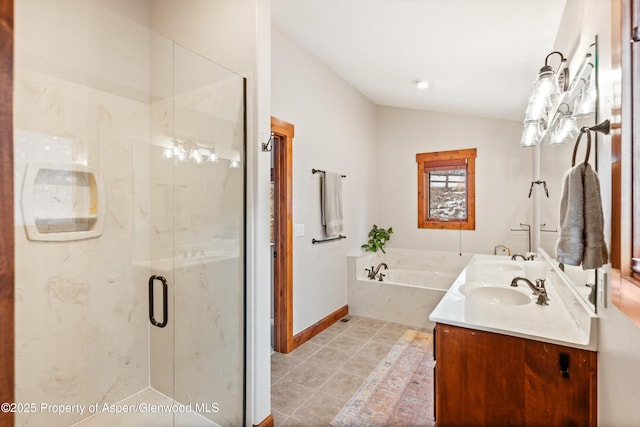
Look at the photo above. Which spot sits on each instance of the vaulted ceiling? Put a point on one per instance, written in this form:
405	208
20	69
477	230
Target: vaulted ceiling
479	56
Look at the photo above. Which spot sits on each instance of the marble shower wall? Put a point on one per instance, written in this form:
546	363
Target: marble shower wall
81	326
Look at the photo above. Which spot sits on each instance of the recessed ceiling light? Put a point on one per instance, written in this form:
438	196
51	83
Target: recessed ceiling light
421	84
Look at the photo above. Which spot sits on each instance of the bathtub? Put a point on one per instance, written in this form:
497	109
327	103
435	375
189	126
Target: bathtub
413	284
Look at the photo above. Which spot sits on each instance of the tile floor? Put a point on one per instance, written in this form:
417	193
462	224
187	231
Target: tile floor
311	384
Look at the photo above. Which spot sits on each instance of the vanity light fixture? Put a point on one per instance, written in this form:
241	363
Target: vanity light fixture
547	87
586	102
567	127
213	156
550	83
179	152
196	153
530	134
167	152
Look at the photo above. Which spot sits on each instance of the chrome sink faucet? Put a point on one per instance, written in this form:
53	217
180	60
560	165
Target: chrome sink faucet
538	289
373	272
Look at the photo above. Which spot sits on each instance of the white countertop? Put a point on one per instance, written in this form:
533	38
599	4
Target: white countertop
565	321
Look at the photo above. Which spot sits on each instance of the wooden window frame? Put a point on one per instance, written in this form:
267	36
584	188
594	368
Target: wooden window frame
436	161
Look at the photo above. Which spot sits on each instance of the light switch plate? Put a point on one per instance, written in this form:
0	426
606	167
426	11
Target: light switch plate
299	230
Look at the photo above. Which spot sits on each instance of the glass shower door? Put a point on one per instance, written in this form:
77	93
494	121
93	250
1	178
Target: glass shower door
208	212
197	127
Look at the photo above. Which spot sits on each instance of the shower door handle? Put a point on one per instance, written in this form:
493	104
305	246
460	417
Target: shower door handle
165	308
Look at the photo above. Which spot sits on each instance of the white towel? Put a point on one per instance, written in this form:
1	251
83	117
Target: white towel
331	203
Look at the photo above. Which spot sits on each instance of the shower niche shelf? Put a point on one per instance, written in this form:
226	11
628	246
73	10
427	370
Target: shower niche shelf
62	202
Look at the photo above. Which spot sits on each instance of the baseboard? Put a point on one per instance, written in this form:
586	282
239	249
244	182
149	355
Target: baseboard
319	326
267	422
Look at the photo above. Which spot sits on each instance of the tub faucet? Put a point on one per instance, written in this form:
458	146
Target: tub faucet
538	289
373	271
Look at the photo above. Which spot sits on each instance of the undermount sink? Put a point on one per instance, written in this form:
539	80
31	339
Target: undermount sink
497	296
500	265
495	270
467	287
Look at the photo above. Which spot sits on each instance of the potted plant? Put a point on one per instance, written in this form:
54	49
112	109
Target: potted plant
377	239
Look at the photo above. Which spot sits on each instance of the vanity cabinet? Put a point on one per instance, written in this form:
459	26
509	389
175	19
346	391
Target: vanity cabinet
490	379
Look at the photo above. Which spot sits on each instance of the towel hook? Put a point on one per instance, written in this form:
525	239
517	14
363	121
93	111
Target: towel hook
583	130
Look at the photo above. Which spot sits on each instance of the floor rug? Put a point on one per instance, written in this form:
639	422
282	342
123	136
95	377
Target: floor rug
399	392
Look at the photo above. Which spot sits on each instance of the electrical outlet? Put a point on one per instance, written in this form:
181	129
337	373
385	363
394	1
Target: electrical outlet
299	230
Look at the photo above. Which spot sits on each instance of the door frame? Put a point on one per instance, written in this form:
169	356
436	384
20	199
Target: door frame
7	268
283	134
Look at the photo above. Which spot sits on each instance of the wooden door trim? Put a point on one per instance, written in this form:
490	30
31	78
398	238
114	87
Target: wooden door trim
283	233
7	269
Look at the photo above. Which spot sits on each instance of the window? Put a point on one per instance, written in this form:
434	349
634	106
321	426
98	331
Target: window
446	189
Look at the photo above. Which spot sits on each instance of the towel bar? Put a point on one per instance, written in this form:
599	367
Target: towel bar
338	237
321	171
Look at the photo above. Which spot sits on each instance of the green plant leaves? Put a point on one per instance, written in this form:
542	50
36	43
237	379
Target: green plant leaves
378	237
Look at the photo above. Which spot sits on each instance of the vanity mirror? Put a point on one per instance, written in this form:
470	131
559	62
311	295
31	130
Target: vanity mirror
569	111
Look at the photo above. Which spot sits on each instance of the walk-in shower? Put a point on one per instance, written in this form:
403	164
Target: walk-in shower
130	221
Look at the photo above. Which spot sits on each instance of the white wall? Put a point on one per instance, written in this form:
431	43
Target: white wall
619	338
221	30
334	130
503	176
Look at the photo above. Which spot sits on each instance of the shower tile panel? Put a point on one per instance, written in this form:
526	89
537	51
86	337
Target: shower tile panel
81	328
